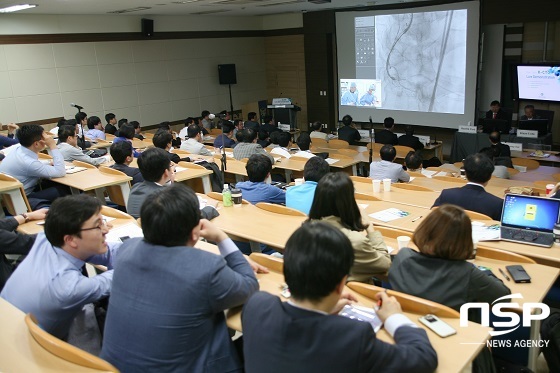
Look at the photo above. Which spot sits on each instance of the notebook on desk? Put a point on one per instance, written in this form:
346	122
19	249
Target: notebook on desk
529	219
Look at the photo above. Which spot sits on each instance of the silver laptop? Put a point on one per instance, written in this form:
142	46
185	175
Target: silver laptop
529	220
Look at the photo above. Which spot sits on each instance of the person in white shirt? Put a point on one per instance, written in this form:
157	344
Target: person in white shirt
68	146
317	133
304	142
194	144
284	142
183	132
386	169
95	129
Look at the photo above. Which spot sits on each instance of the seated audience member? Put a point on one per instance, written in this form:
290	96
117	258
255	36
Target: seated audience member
386	169
284	142
300	334
7	141
95	129
68	146
408	139
334	203
150	325
14	243
225	139
163	139
478	169
439	271
317	128
207	123
126	133
500	149
61	122
49	282
304	142
499	170
239	137
157	171
258	188
122	122
81	123
348	132
269	125
23	163
273	139
413	163
263	138
249	146
176	139
300	197
237	127
529	113
386	135
251	122
194	143
111	120
137	130
121	153
183	132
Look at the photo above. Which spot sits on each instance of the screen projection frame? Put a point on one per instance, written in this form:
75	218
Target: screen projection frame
346	68
544	65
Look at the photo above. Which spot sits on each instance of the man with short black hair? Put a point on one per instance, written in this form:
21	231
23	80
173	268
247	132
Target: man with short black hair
386	135
238	127
225	139
304	143
194	143
111	120
49	282
529	111
408	139
166	311
126	133
163	139
68	146
258	188
284	142
386	169
121	153
207	123
473	197
251	122
349	133
317	131
305	331
137	130
95	128
23	163
269	125
249	146
500	149
300	197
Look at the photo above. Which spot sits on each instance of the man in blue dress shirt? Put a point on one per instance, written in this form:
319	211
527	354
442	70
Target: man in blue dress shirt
258	188
300	197
49	282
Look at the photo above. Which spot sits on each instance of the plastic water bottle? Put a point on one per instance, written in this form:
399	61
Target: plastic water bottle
226	196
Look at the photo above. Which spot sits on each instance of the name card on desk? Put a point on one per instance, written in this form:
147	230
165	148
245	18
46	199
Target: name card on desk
468	129
527	133
364	134
514	146
284	127
424	139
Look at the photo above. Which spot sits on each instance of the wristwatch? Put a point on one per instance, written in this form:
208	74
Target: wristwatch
26	217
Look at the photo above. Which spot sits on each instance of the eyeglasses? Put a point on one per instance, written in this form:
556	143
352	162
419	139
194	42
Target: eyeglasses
100	226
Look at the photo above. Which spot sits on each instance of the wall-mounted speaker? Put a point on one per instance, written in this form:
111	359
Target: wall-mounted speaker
227	74
147	27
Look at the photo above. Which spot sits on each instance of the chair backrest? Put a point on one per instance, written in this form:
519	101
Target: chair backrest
477	215
7	199
271	262
114	213
301	159
190	165
319	142
340	156
451	179
350	152
42	155
83	164
218	196
361	179
409	303
65	350
512	171
180	153
498	254
531	164
416	174
114	191
392	232
109	137
366	197
402	150
459	164
216	131
338	144
148	135
418	188
279	209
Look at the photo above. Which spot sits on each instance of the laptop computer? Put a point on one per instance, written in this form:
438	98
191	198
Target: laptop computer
529	219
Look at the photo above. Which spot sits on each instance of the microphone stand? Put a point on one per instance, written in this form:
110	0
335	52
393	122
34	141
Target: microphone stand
83	144
370	140
224	157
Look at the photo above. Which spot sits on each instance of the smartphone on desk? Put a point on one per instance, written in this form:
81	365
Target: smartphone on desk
438	326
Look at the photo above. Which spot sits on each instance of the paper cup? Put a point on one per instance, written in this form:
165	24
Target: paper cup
376	186
549	188
298	181
386	185
403	241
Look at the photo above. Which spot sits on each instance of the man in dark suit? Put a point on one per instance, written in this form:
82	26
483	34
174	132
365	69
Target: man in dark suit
496	112
500	150
529	113
252	122
478	168
300	335
349	133
408	139
386	135
269	125
122	154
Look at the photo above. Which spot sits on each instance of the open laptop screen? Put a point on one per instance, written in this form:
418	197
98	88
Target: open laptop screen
528	212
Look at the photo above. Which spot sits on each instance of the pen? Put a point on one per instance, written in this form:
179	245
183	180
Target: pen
413	220
503	274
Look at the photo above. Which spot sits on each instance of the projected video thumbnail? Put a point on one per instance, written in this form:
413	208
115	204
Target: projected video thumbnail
361	92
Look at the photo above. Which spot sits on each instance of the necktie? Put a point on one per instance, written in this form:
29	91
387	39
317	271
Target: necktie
494	115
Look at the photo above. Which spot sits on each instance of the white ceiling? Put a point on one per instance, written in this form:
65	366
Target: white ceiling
186	7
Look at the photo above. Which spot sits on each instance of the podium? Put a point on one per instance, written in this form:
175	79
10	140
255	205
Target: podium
284	111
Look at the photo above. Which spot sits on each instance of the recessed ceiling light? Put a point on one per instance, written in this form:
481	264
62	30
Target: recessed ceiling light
16	8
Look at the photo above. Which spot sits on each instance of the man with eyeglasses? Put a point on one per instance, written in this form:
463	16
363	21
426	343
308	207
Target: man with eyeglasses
49	282
194	143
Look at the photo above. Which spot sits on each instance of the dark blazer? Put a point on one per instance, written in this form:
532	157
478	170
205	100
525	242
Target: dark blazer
13	243
503	150
270	128
474	198
386	137
252	125
410	141
501	114
133	172
349	134
278	337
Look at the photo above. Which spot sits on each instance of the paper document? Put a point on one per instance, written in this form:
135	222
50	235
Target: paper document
331	160
124	232
389	214
482	233
74	169
179	169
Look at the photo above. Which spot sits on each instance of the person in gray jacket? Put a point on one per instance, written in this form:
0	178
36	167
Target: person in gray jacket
386	169
68	146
